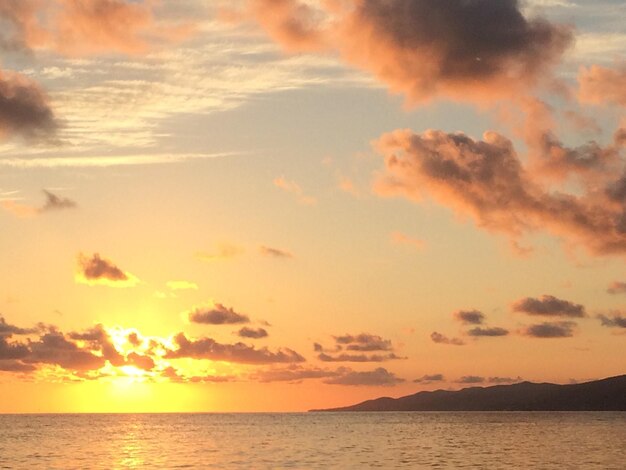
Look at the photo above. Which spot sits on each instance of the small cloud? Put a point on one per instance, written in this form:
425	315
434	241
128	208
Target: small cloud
56	203
346	357
223	251
95	270
181	285
217	315
208	348
504	380
470	317
617	320
379	377
293	373
347	186
275	252
617	288
399	238
53	203
442	339
550	330
253	333
471	379
364	342
494	331
426	379
293	188
549	306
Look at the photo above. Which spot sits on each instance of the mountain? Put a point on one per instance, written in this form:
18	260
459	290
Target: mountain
600	395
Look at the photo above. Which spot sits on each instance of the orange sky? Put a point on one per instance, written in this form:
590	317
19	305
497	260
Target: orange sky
281	205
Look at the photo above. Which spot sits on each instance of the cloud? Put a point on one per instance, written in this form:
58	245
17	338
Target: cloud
486	181
377	377
401	239
100	339
346	357
24	108
15	366
13	350
481	49
602	85
140	361
294	188
223	251
493	331
95	270
470	317
56	203
364	342
217	315
181	285
426	379
504	380
549	306
53	203
357	346
293	373
207	348
617	288
471	379
442	339
84	27
550	330
254	333
617	320
7	330
274	252
54	348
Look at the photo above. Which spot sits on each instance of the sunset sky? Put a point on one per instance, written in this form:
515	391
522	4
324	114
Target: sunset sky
279	205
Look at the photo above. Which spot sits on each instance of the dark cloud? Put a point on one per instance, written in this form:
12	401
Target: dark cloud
7	329
486	181
550	330
492	331
549	306
293	373
54	348
254	333
442	339
55	203
13	350
504	380
140	361
617	288
471	317
426	379
100	340
346	357
207	348
12	365
364	342
617	320
376	377
218	315
425	48
95	268
24	108
471	379
275	252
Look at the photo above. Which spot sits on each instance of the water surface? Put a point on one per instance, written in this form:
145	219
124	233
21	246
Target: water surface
315	440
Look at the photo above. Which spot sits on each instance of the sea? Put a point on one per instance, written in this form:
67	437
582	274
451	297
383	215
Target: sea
496	440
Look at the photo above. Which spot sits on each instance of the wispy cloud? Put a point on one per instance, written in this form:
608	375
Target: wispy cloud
294	188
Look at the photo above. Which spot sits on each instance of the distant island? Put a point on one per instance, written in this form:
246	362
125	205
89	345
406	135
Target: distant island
599	395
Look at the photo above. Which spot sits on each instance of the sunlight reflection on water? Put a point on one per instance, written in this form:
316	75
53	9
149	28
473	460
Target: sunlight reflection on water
316	440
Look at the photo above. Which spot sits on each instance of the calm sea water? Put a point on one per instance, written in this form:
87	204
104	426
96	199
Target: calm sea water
324	440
